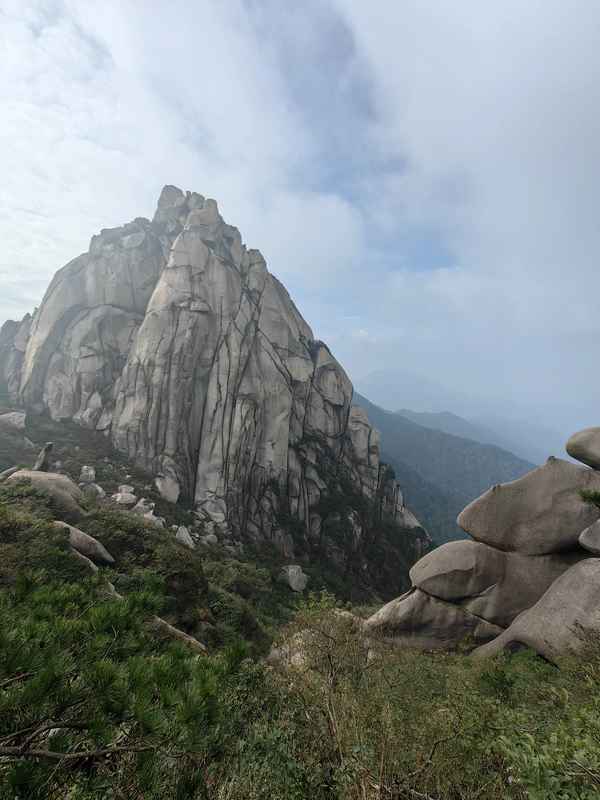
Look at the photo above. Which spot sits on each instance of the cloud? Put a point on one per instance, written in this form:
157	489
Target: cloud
422	175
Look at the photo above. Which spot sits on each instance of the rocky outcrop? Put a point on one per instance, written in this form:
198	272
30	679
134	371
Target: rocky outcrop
86	544
420	620
589	539
13	343
542	512
525	580
294	577
585	447
561	621
66	495
174	340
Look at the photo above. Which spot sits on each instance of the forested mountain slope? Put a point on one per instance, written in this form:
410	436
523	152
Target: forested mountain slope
440	473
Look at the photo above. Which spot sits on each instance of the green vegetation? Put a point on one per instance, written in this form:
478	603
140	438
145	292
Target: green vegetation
97	703
93	705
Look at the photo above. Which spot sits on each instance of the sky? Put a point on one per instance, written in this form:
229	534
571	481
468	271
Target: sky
423	175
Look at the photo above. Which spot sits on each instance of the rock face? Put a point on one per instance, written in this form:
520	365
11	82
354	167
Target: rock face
542	512
589	539
585	447
419	620
558	622
526	580
173	339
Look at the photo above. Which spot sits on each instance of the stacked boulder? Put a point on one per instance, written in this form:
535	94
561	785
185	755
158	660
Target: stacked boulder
527	578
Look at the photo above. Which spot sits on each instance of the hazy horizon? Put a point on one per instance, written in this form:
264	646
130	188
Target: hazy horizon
421	176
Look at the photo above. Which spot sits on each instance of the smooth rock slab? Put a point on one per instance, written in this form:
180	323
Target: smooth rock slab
458	569
417	620
168	488
66	495
585	447
589	539
542	512
557	623
487	582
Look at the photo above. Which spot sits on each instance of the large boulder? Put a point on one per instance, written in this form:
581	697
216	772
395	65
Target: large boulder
589	539
14	420
561	621
86	544
524	581
87	474
294	576
418	620
458	569
542	512
66	495
487	582
585	447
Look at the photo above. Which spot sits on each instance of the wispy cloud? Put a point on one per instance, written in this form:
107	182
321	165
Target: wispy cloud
422	175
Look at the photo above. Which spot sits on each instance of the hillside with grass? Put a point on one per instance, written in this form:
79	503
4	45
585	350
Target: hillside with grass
95	704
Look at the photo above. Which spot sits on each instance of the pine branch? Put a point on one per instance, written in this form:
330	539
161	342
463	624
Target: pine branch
50	755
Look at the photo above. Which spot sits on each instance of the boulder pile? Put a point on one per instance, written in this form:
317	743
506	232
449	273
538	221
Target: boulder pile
526	578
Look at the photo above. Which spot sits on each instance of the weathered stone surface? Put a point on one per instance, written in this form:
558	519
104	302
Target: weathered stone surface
556	624
294	577
486	582
124	499
142	506
209	539
86	544
80	337
183	535
458	569
542	512
589	539
585	447
93	491
14	420
524	581
66	494
87	475
168	488
7	473
420	621
42	462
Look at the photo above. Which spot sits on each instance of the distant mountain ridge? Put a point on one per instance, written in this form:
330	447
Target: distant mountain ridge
447	422
440	472
434	405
